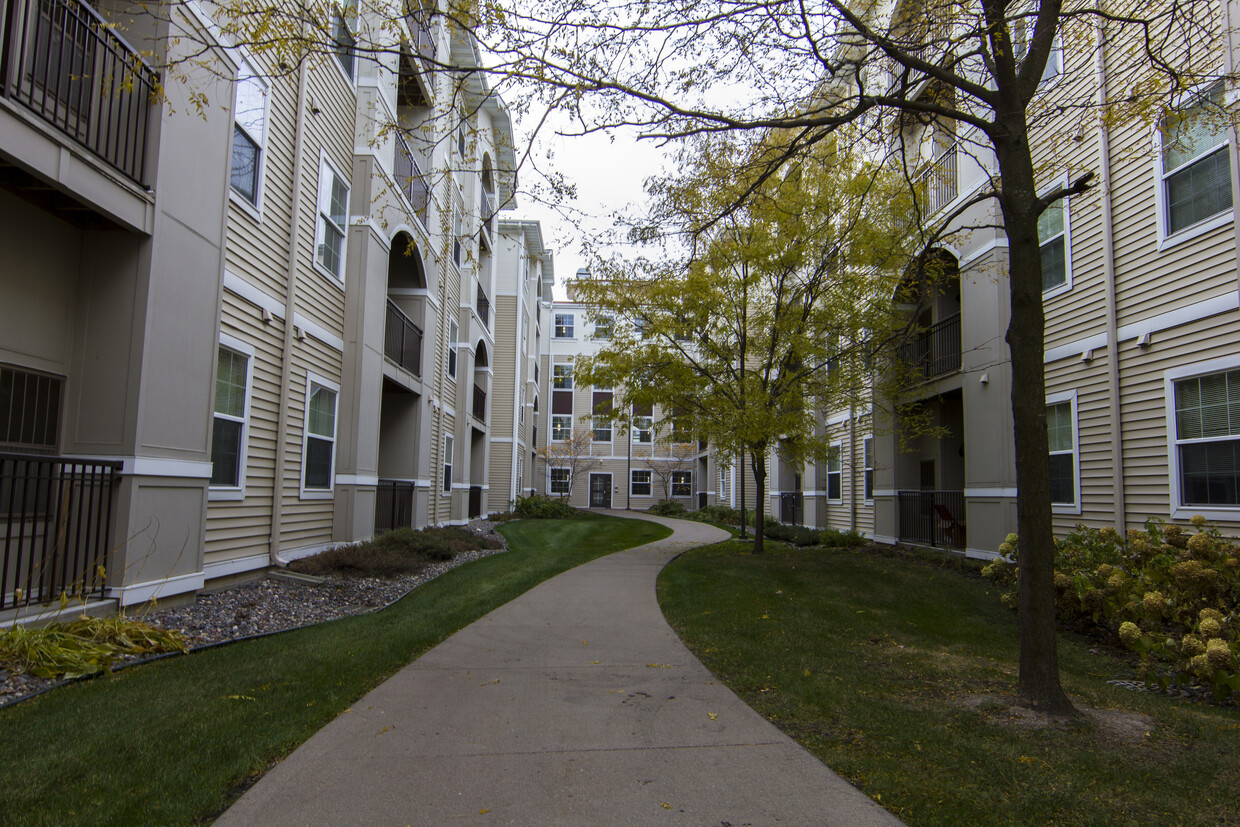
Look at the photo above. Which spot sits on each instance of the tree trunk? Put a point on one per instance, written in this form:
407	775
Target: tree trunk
1039	661
758	462
740	463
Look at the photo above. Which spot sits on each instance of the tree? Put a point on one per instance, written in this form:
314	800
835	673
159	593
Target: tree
972	67
680	459
775	310
574	454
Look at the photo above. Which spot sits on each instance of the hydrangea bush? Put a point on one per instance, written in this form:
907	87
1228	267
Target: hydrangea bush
1169	595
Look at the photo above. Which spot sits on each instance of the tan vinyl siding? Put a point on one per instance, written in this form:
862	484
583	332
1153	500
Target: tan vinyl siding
306	522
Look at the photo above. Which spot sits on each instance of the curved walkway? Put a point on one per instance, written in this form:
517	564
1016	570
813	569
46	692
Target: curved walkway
575	704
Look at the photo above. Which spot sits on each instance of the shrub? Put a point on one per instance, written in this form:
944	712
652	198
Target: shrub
797	535
717	514
1171	597
394	553
834	538
667	508
83	646
539	507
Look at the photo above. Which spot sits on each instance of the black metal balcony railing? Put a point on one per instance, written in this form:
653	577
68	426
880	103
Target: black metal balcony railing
410	179
488	213
55	522
932	518
393	505
484	307
419	22
402	341
475	501
792	508
480	404
65	63
937	350
937	185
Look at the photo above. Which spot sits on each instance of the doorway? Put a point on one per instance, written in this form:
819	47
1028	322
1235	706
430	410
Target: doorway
600	490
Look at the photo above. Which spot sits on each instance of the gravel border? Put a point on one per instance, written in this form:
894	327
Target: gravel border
264	607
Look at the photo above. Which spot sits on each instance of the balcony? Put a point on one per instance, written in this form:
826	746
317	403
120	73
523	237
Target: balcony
480	404
410	179
484	307
937	350
402	341
393	505
932	518
488	213
937	184
64	63
55	525
419	22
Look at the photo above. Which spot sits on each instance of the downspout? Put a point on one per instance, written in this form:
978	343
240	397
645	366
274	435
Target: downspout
290	295
1120	511
1229	70
852	465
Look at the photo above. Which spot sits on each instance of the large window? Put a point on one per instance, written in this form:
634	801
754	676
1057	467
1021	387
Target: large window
249	131
447	463
604	327
682	483
1061	436
564	325
640	484
1195	164
561	479
333	218
454	333
601	411
643	424
29	411
318	452
561	427
1207	439
869	468
344	44
562	377
1053	236
228	427
835	472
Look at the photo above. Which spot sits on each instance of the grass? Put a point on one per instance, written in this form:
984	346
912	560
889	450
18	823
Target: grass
892	671
174	742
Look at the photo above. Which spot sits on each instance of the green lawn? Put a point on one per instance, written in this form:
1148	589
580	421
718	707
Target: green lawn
888	669
174	741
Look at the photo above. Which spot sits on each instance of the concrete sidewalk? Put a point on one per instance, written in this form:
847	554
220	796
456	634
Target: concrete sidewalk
574	704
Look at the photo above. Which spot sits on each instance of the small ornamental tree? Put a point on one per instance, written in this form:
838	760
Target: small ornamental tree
573	454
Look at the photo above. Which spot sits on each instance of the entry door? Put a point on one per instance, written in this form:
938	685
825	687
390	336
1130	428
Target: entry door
600	490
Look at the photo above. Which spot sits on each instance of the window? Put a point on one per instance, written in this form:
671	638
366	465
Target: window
1022	30
447	463
320	437
562	377
561	427
564	325
1053	237
639	484
835	472
457	246
521	407
453	333
343	42
601	408
561	481
869	468
333	215
639	328
249	129
1061	437
682	483
604	328
1207	439
29	411
643	424
228	426
1196	167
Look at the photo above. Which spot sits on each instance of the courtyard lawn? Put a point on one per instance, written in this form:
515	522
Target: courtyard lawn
175	741
894	672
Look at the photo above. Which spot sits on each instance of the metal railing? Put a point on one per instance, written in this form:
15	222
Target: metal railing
932	518
937	186
402	340
937	350
55	522
484	307
480	404
419	22
792	508
65	63
410	179
475	501
393	505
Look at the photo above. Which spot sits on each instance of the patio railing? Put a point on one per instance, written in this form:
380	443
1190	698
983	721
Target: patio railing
937	350
932	518
402	340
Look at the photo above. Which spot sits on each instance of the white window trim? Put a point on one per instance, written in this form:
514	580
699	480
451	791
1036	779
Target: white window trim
672	484
339	9
329	492
255	209
551	430
648	430
1170	377
449	444
1066	202
838	447
555	376
650	481
1073	508
611	430
550	482
325	164
229	493
1166	240
453	367
572	326
871	468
